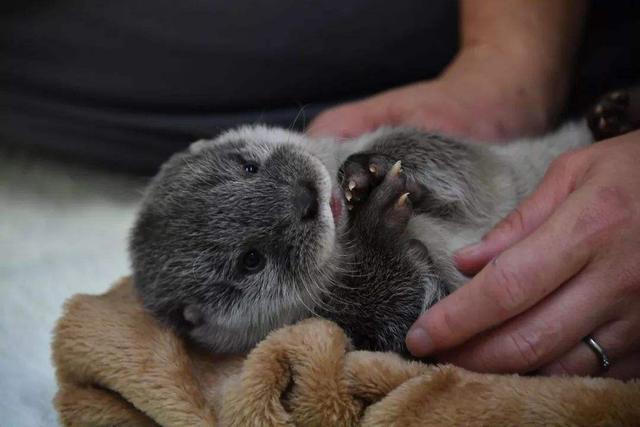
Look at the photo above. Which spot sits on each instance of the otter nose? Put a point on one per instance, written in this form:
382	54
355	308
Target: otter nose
305	201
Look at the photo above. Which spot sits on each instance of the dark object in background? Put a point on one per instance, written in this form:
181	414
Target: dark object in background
126	83
609	58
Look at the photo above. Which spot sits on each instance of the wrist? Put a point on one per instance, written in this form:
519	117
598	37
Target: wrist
517	76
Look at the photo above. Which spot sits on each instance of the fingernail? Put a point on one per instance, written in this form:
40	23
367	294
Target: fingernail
418	341
469	251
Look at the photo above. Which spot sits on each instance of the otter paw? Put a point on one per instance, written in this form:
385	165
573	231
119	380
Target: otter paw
361	173
388	207
611	115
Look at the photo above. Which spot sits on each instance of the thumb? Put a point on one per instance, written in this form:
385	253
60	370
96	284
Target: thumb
348	120
554	188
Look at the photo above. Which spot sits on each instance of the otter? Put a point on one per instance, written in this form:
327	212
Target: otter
262	227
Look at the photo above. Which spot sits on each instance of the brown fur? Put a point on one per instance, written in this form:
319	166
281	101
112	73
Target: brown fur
117	366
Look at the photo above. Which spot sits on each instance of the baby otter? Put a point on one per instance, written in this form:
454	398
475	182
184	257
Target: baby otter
261	227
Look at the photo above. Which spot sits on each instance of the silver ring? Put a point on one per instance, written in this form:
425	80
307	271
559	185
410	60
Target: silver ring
599	351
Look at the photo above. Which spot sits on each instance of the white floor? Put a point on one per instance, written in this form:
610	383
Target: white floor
63	230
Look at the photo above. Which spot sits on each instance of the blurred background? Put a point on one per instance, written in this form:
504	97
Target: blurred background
94	96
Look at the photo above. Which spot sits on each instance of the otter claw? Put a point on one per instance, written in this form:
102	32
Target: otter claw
599	109
602	123
373	169
619	96
352	185
402	200
396	168
348	195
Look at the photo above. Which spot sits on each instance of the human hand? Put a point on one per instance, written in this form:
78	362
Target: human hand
563	265
485	94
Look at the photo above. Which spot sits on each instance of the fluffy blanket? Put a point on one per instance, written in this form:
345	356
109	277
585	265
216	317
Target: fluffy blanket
117	366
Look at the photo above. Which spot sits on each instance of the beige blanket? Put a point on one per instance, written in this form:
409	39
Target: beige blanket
117	366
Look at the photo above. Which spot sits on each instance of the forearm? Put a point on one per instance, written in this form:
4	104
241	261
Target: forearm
546	29
535	38
510	78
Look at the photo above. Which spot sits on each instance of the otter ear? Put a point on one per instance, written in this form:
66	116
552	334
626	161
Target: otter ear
192	314
200	145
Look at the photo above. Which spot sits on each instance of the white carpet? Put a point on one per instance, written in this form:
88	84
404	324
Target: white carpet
63	230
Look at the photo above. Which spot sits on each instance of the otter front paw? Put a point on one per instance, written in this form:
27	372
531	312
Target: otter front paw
612	115
388	208
361	173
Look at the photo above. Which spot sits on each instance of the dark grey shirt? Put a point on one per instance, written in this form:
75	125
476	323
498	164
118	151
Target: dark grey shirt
126	83
130	81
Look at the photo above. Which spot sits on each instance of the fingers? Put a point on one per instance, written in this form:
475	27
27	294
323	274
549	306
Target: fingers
625	368
348	120
618	339
548	331
529	215
517	279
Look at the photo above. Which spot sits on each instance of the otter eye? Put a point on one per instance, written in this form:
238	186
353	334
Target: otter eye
252	261
251	168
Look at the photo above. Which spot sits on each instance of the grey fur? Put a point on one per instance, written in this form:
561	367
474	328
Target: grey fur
373	271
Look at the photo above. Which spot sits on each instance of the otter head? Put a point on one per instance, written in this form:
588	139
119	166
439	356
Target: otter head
236	237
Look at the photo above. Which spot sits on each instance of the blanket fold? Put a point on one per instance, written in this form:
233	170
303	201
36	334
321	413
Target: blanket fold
116	365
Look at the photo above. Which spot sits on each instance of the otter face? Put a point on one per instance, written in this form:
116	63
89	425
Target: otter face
235	237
